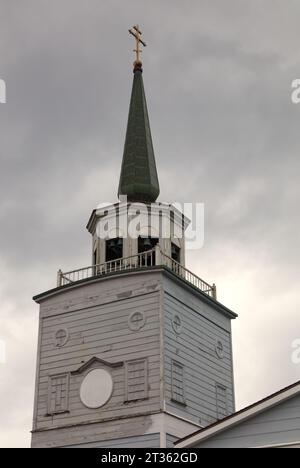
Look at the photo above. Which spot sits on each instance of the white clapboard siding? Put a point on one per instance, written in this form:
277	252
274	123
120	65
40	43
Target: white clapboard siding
103	326
195	348
107	432
96	318
170	439
279	426
143	441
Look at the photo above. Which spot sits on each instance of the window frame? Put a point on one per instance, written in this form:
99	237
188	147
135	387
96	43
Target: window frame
65	408
225	390
174	396
127	372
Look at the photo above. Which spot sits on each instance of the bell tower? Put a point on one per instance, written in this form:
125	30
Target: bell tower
134	350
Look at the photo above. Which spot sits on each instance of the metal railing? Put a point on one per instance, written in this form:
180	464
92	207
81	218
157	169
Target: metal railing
142	260
188	276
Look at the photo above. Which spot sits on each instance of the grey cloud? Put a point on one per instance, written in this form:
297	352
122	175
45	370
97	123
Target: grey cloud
217	77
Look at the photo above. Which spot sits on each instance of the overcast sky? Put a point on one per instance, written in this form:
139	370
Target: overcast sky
218	79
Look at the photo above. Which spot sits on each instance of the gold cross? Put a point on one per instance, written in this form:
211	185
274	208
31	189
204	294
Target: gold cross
135	32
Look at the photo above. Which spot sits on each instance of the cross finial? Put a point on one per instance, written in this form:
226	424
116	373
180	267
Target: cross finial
136	33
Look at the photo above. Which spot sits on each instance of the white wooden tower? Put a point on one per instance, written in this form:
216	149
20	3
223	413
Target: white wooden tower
135	350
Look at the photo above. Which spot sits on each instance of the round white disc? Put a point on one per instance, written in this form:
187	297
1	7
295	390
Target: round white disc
96	388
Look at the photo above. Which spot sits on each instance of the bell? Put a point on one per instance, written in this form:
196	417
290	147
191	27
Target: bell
120	242
147	243
112	245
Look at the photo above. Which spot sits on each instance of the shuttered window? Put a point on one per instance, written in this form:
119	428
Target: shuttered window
136	380
178	392
58	392
221	394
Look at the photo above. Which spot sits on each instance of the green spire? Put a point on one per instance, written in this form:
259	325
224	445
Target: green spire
138	179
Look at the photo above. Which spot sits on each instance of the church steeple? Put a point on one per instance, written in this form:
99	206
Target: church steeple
138	179
134	341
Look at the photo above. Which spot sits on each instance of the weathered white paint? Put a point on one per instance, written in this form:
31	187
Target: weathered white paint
140	441
194	349
95	315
